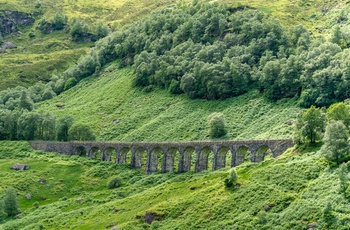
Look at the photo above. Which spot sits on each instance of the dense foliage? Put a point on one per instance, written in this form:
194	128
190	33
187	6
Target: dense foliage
212	51
32	125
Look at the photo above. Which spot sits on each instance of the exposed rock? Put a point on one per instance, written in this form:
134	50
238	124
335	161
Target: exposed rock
312	225
79	200
42	180
152	216
116	122
289	123
20	167
115	228
18	216
8	45
28	196
10	21
267	207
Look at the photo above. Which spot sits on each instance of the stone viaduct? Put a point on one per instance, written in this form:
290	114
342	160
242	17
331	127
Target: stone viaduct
168	155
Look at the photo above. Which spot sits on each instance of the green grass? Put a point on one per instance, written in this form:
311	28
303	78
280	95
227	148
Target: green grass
57	51
35	58
118	111
294	188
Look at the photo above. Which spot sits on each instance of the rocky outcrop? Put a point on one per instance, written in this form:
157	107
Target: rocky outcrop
11	21
20	167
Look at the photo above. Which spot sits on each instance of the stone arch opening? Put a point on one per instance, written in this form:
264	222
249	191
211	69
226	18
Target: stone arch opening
242	154
140	157
80	151
172	160
188	162
124	156
154	160
109	154
263	152
205	159
95	153
223	158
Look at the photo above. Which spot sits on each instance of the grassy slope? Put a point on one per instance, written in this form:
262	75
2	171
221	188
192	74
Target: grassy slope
36	58
117	111
296	187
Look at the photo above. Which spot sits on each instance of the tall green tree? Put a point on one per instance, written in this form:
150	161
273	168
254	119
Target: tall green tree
339	112
26	102
81	132
336	147
62	128
10	202
311	124
26	127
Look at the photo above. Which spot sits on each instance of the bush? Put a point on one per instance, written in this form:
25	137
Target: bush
69	83
231	180
81	132
217	125
10	202
115	182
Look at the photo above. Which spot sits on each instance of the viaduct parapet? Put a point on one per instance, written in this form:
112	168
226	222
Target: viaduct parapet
170	156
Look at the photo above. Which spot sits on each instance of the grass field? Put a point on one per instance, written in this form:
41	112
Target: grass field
286	193
118	111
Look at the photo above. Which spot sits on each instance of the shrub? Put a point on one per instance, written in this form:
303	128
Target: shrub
115	182
70	83
231	180
217	125
10	202
81	132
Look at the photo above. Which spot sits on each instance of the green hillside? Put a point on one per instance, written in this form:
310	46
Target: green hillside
135	85
288	193
38	54
118	111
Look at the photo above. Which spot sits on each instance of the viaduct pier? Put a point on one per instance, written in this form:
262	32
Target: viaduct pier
168	156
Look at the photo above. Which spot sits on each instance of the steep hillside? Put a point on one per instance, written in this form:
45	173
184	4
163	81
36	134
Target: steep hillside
38	54
297	191
118	111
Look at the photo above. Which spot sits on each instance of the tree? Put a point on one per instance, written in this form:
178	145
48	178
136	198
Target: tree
79	30
63	125
337	36
26	102
311	124
101	30
59	21
27	123
217	125
339	112
231	180
81	132
10	202
336	147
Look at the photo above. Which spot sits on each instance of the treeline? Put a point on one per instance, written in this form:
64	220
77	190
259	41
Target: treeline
79	29
21	124
214	51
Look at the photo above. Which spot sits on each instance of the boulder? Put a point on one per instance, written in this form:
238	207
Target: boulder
20	166
8	45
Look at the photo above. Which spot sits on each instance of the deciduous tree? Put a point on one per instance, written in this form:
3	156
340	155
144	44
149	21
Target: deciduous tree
336	145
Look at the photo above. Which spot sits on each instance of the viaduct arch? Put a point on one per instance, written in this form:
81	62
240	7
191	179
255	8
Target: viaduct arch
166	156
